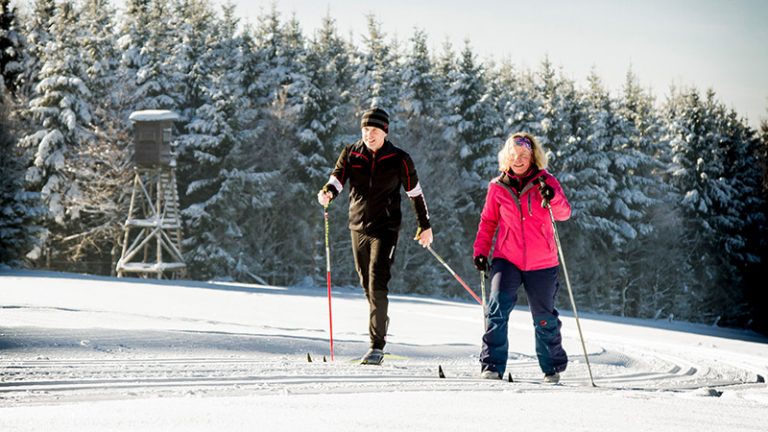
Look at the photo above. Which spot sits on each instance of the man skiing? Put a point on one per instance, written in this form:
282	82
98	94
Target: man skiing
376	170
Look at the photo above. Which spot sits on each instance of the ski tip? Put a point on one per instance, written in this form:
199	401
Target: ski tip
309	358
440	371
760	379
509	377
324	360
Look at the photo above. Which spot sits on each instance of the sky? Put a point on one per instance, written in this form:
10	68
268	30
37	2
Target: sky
87	353
719	44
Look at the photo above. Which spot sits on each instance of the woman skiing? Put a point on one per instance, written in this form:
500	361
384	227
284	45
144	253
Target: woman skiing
524	253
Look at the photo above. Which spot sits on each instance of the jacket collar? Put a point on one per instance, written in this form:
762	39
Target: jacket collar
385	149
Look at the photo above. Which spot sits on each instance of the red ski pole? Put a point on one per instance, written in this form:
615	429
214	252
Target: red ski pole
328	279
450	270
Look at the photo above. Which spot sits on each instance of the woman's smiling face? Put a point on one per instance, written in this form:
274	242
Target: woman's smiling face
520	159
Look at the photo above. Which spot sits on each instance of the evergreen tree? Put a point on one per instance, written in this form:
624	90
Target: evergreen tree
157	81
475	129
100	58
322	118
564	127
11	46
649	274
101	166
276	65
37	31
716	175
746	233
62	116
19	209
755	293
420	133
515	100
378	77
221	171
134	35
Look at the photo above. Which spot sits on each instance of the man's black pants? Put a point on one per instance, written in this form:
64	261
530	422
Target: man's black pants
374	256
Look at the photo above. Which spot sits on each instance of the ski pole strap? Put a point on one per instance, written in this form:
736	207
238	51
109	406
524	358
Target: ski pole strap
453	273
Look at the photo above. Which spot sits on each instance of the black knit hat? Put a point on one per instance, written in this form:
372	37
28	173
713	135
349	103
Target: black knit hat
375	117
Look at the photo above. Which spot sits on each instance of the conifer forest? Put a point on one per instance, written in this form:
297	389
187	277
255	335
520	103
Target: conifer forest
668	186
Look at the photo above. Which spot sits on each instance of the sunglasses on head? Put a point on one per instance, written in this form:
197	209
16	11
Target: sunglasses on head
523	141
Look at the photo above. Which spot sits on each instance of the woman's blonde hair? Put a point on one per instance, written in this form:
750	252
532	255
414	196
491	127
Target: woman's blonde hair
539	158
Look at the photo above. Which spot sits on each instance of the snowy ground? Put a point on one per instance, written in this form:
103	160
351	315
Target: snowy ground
85	353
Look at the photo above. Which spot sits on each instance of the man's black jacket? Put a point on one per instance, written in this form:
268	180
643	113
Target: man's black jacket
375	180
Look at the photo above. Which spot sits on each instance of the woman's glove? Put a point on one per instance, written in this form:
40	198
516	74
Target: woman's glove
481	263
547	192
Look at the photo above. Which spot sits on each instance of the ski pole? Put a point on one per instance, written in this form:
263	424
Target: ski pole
570	291
328	278
450	270
482	295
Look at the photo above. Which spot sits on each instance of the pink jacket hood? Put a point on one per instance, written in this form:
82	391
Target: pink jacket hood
525	236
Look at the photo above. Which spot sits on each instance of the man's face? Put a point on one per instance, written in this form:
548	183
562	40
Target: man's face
373	137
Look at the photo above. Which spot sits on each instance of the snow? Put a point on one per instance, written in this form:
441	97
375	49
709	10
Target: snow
82	353
153	115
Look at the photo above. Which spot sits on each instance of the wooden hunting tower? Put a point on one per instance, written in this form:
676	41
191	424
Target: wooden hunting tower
152	230
152	132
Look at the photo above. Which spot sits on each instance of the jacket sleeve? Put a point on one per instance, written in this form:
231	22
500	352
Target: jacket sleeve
410	181
340	172
561	208
489	221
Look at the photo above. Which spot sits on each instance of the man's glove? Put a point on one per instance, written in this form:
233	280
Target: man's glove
326	195
481	263
547	193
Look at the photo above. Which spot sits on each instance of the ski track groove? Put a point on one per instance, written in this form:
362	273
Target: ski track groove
27	380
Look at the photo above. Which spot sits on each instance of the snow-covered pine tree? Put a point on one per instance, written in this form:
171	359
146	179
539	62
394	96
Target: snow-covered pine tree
101	61
61	112
475	131
102	165
378	77
37	32
603	216
756	295
704	157
650	273
420	134
276	72
206	140
225	185
11	46
20	211
134	32
564	127
515	99
747	232
149	48
323	115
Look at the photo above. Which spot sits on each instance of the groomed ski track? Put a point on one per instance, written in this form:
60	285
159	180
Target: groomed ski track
68	338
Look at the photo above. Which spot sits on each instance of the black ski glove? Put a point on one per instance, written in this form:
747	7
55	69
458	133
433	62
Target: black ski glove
481	263
547	193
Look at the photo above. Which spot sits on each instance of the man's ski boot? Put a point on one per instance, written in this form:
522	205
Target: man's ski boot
374	356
